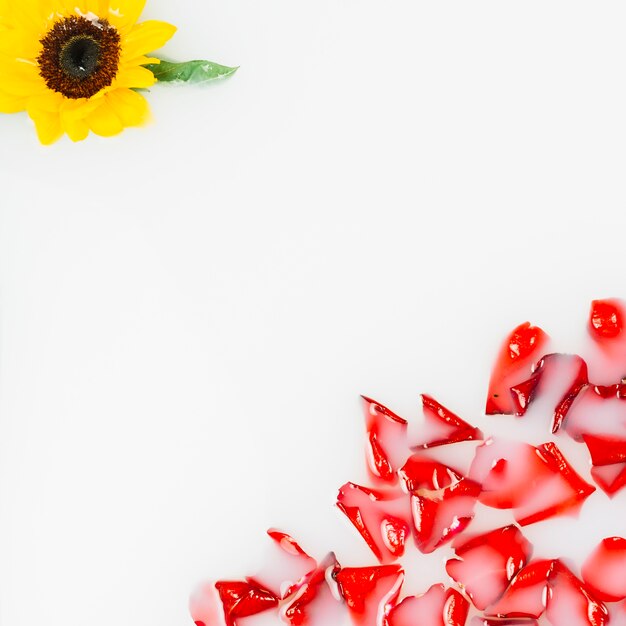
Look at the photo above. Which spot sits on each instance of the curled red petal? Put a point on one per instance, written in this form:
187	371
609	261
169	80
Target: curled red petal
486	563
606	319
387	446
525	596
513	365
442	426
370	593
381	517
244	598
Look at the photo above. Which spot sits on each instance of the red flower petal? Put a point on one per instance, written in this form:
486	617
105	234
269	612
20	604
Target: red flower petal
604	571
492	621
387	445
486	563
442	426
560	377
570	602
244	598
314	601
518	352
442	501
429	606
598	414
606	319
605	450
382	518
370	592
525	595
610	478
286	565
455	609
536	481
617	613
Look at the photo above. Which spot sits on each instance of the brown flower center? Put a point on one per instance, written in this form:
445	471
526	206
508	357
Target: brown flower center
79	57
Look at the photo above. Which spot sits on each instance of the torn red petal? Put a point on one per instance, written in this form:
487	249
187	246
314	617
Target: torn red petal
525	596
429	606
387	445
493	621
570	602
370	592
486	563
604	571
382	518
442	426
244	598
442	501
455	609
597	413
518	352
313	602
605	450
537	482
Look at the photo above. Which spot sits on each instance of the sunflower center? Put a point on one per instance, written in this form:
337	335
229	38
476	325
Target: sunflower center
79	56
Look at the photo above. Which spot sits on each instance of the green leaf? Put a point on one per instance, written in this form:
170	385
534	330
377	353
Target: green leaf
189	71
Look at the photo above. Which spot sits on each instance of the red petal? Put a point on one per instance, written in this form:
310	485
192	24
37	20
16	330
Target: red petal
491	621
617	614
610	478
525	595
606	319
536	481
429	606
442	501
597	413
382	518
286	565
519	350
604	571
370	592
244	598
455	609
605	450
387	445
561	377
314	602
442	426
570	602
485	564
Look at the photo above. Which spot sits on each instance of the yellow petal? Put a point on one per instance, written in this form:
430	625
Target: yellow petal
48	126
77	130
146	37
19	44
134	77
104	122
11	104
129	106
49	102
31	16
20	78
124	13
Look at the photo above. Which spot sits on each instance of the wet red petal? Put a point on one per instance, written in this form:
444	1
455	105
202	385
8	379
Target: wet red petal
561	377
429	606
370	592
610	478
486	563
537	482
286	565
617	614
455	609
604	571
598	413
312	594
382	518
492	621
570	602
605	450
442	426
442	501
244	598
525	595
518	352
606	319
387	445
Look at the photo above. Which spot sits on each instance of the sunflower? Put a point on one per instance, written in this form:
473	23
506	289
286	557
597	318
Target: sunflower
74	65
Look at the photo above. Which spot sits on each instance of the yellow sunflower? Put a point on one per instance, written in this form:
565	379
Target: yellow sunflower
73	65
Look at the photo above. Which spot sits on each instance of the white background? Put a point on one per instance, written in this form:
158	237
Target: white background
189	311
